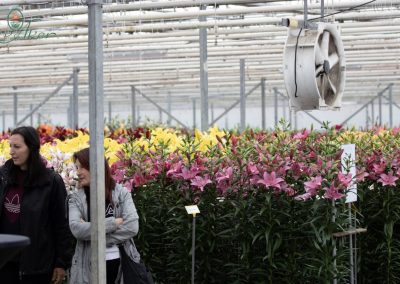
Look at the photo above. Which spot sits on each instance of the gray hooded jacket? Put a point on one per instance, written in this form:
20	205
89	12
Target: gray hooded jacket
123	208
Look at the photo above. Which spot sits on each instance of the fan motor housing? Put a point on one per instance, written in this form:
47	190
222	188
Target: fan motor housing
314	67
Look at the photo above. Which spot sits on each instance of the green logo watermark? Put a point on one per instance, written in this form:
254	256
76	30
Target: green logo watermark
20	28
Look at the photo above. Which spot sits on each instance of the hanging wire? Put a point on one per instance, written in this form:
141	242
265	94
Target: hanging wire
215	24
345	10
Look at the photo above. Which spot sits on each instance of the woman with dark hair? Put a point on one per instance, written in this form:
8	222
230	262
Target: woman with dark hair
121	223
32	200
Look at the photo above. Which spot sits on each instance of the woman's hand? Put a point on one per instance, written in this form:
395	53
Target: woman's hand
58	275
119	221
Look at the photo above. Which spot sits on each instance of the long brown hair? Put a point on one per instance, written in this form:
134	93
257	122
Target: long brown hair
109	184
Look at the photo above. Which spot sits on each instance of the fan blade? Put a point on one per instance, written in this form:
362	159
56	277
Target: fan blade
319	56
331	85
323	87
333	60
319	69
325	44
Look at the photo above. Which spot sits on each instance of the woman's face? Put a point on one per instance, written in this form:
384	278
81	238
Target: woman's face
19	151
83	175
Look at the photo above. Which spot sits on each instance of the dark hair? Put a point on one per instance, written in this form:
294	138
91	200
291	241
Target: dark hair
36	165
109	184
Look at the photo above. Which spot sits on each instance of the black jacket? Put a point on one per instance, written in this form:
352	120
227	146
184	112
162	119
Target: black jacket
43	219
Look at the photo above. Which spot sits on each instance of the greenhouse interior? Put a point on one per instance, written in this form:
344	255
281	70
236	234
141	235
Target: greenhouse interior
279	119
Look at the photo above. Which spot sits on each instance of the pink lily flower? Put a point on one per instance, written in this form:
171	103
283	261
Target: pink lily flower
388	179
332	193
270	180
345	179
200	182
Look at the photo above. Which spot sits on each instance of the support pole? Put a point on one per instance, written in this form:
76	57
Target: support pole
160	115
305	12
313	117
226	121
390	106
193	245
133	106
380	109
96	128
194	112
234	105
242	96
283	101
203	73
45	99
109	112
75	102
138	115
212	112
366	105
169	108
334	244
372	113
15	108
322	10
367	117
351	246
275	107
263	103
31	118
161	109
4	120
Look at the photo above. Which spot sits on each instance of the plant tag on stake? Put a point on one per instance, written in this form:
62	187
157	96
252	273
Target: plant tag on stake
349	166
192	209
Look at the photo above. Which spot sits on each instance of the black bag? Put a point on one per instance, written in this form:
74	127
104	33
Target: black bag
133	272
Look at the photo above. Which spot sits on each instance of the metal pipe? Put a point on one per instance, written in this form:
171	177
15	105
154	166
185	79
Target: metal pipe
96	128
150	15
203	74
242	96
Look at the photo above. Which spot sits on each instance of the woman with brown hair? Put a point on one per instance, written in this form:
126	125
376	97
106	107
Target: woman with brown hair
121	222
32	201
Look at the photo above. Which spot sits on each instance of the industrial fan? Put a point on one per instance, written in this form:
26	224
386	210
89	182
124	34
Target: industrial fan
314	66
